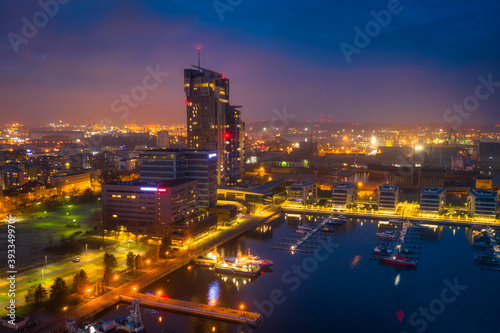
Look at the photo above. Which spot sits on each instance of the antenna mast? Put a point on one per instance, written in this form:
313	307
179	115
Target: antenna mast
199	66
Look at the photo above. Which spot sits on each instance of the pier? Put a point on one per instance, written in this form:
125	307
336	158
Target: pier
300	242
252	319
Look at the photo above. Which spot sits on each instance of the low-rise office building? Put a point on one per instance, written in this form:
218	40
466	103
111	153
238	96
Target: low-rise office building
388	197
265	194
148	208
345	195
432	200
304	193
482	203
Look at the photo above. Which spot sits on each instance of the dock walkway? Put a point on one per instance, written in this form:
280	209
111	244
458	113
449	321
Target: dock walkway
190	308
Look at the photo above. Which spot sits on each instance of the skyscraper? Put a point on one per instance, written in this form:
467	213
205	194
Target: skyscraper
212	124
162	139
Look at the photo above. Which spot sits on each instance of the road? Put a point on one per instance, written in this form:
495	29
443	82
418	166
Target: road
50	323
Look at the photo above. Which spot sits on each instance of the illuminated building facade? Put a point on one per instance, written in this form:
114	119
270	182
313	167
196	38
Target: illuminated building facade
432	199
166	164
482	203
388	197
345	195
212	124
304	193
148	207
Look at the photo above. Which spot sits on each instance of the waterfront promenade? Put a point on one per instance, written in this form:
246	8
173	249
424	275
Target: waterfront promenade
89	309
366	214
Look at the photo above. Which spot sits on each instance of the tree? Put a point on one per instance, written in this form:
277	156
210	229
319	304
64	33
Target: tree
37	295
58	292
108	272
87	195
110	261
110	175
130	261
109	264
164	246
80	281
138	262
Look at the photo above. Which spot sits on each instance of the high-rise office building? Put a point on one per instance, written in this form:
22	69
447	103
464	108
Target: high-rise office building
162	139
171	163
212	124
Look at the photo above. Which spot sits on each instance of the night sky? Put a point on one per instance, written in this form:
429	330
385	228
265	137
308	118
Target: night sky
276	54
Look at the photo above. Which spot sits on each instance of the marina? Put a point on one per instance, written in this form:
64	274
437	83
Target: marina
347	266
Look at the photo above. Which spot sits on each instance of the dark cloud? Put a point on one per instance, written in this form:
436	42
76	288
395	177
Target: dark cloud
275	53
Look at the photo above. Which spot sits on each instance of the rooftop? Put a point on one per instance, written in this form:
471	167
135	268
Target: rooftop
344	185
388	187
484	193
165	183
432	190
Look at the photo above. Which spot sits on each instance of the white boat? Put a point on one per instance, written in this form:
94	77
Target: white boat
256	260
396	221
300	231
305	227
387	235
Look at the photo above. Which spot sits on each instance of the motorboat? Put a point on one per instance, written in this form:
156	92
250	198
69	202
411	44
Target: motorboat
327	229
386	235
485	258
382	251
400	261
305	227
207	260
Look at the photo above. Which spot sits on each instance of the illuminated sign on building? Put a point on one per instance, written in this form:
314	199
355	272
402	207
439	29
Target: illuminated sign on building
149	189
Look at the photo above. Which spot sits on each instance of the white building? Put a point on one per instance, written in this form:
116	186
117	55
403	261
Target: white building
482	203
432	200
388	197
345	195
304	193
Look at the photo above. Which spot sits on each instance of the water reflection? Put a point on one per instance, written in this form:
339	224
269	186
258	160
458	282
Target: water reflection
213	293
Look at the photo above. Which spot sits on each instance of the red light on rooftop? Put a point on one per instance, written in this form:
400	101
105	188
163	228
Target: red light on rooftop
223	77
187	102
227	135
199	48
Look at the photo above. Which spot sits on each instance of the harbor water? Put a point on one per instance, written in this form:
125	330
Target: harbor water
341	287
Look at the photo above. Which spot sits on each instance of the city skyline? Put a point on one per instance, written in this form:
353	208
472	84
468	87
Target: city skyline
411	69
236	166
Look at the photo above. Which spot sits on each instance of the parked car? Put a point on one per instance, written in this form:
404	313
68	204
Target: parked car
77	259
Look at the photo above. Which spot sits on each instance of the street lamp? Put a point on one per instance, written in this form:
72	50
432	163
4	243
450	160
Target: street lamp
242	306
